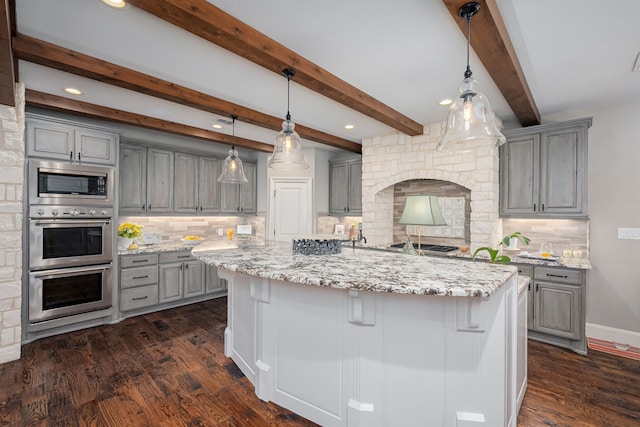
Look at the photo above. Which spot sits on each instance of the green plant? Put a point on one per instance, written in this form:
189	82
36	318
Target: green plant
494	257
515	235
494	254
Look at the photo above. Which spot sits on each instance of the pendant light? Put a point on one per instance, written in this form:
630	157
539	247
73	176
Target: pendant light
232	171
470	116
287	150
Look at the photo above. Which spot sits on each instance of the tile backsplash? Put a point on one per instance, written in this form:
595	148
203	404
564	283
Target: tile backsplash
173	228
563	234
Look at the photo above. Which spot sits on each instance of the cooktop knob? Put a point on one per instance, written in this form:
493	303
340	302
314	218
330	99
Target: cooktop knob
55	212
74	212
40	212
92	212
104	212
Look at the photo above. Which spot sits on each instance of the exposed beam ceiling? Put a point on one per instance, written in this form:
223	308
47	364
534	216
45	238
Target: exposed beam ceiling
492	44
7	76
211	23
59	103
53	56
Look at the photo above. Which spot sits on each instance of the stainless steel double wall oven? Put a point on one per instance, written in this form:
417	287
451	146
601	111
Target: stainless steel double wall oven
70	212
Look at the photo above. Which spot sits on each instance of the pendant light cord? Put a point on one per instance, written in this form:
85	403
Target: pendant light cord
468	72
233	131
288	95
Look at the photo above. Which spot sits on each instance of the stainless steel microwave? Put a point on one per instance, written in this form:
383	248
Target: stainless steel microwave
60	183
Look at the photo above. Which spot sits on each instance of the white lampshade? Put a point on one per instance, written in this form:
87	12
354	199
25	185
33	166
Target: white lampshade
422	210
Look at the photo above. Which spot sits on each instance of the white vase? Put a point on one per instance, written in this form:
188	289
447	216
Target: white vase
123	243
513	243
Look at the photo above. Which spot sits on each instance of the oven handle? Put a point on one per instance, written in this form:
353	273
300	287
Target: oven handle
71	270
71	221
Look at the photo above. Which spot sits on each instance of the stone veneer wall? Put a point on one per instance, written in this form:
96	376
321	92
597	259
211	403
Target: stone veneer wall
11	186
173	228
393	158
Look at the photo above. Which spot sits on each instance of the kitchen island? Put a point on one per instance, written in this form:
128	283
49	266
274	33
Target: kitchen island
365	338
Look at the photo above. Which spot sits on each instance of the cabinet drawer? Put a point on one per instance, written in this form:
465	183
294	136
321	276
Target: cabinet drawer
559	275
182	256
138	260
525	270
131	277
143	296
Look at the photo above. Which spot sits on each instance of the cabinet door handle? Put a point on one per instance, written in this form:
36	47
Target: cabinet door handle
557	275
149	207
534	207
200	208
537	287
144	207
79	156
140	260
70	155
529	286
186	266
140	277
139	298
184	256
543	207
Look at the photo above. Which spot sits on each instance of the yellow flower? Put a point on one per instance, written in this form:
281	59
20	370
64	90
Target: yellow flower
130	230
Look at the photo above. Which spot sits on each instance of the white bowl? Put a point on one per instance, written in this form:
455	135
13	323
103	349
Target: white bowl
191	242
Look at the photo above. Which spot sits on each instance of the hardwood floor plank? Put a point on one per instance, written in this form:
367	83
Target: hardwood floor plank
168	369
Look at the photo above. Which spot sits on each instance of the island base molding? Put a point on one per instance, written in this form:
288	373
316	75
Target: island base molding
364	359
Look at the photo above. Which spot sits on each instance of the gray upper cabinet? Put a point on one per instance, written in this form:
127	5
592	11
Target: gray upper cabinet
241	198
64	140
209	169
186	184
345	187
146	179
543	171
196	184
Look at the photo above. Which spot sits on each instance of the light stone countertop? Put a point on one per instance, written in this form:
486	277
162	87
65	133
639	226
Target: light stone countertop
376	271
523	282
177	245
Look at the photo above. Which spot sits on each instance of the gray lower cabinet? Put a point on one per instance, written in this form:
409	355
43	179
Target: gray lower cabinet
146	179
138	281
157	281
65	140
181	276
345	187
556	306
543	171
241	198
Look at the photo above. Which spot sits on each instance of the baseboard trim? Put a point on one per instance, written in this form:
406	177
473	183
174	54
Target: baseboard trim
606	333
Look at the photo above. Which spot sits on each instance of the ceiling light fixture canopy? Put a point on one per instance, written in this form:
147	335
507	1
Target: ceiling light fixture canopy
233	171
287	150
470	116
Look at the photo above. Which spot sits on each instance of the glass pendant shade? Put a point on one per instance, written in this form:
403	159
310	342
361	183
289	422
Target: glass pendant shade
232	170
287	150
470	116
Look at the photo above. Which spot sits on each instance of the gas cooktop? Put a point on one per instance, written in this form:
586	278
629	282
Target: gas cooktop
427	247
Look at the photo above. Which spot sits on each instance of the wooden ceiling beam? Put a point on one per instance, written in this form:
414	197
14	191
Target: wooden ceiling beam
7	76
491	42
53	56
66	105
205	20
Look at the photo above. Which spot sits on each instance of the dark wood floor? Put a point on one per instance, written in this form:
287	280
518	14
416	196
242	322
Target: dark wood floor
168	369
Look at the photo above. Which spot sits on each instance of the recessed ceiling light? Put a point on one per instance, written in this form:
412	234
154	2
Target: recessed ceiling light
349	126
119	4
216	126
445	102
73	91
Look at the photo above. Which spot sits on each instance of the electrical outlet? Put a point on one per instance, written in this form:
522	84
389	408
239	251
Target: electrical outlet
577	254
629	233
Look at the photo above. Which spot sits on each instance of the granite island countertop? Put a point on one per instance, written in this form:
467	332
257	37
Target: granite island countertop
376	271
